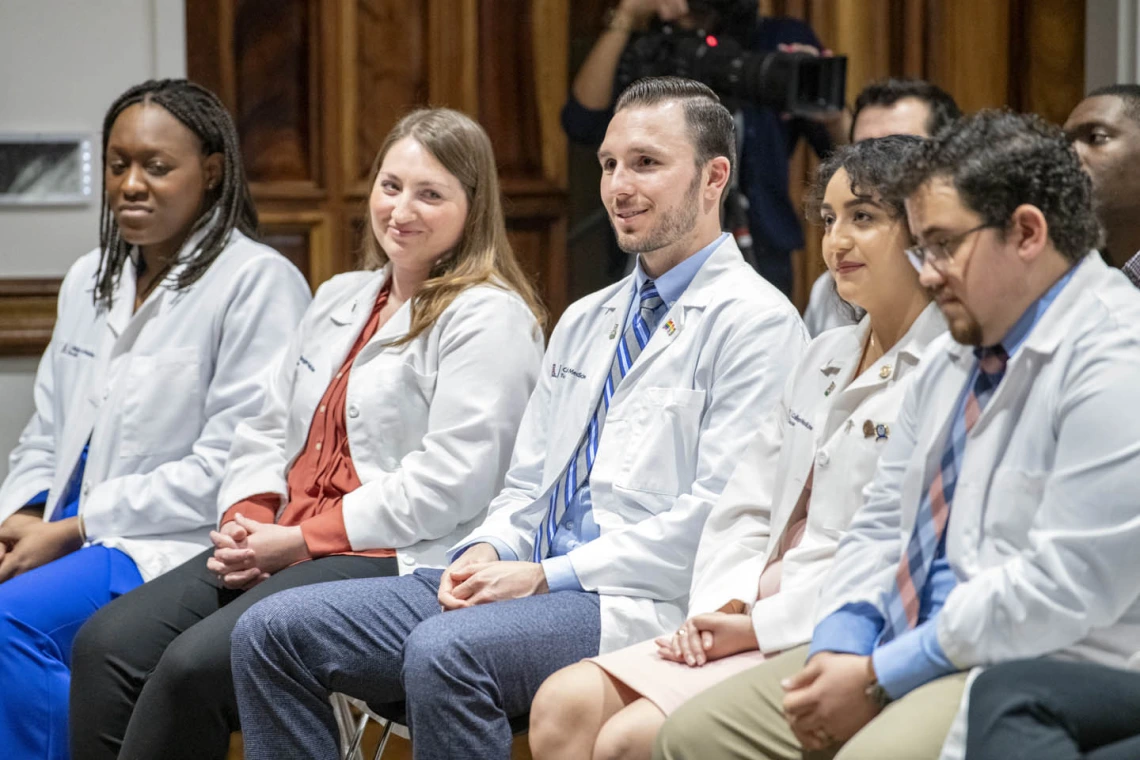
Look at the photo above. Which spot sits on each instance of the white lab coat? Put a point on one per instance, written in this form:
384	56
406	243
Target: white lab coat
822	418
676	427
431	424
1044	528
158	393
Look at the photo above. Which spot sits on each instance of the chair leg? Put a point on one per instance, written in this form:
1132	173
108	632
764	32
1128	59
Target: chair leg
353	751
383	740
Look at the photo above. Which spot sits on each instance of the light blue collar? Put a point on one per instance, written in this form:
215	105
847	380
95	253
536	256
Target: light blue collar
673	283
1017	334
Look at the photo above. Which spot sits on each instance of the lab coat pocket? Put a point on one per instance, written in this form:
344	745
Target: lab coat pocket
661	450
838	494
393	415
1015	496
162	404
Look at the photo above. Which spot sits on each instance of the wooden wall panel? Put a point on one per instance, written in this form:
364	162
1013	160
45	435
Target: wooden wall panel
384	59
275	53
27	315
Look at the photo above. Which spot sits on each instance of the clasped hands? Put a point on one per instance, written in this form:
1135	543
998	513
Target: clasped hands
711	636
478	576
826	703
27	542
246	551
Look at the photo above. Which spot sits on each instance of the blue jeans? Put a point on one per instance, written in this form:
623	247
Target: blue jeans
40	612
463	673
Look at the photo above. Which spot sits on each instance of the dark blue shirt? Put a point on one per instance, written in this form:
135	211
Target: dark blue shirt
769	141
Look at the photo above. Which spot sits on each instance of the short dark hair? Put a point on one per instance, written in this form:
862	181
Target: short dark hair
871	166
1129	93
711	126
228	207
998	160
886	92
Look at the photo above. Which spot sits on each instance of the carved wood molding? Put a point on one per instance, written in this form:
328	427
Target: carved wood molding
27	314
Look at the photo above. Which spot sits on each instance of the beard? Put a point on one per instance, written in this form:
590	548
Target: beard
964	326
672	224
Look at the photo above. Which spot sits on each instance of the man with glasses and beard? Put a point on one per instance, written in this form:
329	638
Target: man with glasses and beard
1001	523
1054	710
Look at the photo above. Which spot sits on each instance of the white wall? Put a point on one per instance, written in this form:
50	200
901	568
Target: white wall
62	62
1112	42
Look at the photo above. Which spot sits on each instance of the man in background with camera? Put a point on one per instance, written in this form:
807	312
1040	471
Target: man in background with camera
767	137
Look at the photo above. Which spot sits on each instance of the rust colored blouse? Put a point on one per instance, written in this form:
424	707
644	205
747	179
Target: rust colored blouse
323	472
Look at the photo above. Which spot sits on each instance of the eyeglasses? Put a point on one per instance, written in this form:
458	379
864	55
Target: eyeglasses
938	254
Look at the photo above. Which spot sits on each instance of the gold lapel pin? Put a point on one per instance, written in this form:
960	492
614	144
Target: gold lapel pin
885	371
868	429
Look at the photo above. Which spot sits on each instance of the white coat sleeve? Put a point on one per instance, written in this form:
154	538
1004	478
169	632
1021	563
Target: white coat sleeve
31	465
1080	568
734	542
868	555
267	299
515	513
489	354
654	558
258	462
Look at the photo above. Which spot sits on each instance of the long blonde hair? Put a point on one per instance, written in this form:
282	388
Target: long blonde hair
483	254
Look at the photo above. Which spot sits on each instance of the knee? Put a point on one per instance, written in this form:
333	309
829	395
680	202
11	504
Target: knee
561	707
103	634
432	653
684	734
192	666
1000	690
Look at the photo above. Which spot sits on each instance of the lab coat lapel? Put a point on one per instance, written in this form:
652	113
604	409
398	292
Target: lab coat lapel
347	321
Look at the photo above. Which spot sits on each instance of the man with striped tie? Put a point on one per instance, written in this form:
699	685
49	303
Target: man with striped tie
1002	521
650	392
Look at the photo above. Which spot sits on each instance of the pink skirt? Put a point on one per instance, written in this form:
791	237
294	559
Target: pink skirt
668	684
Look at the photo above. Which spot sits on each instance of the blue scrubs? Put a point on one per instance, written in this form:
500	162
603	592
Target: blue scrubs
40	613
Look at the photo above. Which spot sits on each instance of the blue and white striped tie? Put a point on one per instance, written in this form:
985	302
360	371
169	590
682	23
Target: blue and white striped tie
633	340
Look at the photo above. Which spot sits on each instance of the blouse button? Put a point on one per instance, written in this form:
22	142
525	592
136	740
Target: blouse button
354	411
823	459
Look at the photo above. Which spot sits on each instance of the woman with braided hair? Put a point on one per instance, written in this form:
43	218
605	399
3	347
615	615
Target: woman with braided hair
162	335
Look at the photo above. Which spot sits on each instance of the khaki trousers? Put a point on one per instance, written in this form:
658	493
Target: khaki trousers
743	719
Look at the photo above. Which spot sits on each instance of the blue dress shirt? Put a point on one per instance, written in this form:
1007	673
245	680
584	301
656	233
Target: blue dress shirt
915	657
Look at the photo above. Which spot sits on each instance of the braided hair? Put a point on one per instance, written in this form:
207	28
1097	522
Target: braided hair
203	114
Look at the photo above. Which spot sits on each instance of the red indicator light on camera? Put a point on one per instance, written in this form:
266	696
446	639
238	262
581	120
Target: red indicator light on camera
711	41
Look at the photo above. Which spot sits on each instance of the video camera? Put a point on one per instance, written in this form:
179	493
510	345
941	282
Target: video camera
713	52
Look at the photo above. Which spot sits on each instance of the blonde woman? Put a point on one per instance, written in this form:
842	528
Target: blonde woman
387	431
770	539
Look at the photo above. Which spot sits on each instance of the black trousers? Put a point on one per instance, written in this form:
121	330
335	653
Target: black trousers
1050	710
150	672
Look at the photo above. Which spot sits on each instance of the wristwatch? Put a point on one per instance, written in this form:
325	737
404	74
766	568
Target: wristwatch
877	694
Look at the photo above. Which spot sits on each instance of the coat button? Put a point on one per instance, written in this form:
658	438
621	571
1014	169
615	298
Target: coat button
822	459
407	559
354	411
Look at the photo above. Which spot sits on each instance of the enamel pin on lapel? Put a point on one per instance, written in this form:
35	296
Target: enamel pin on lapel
670	326
880	431
613	332
830	388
